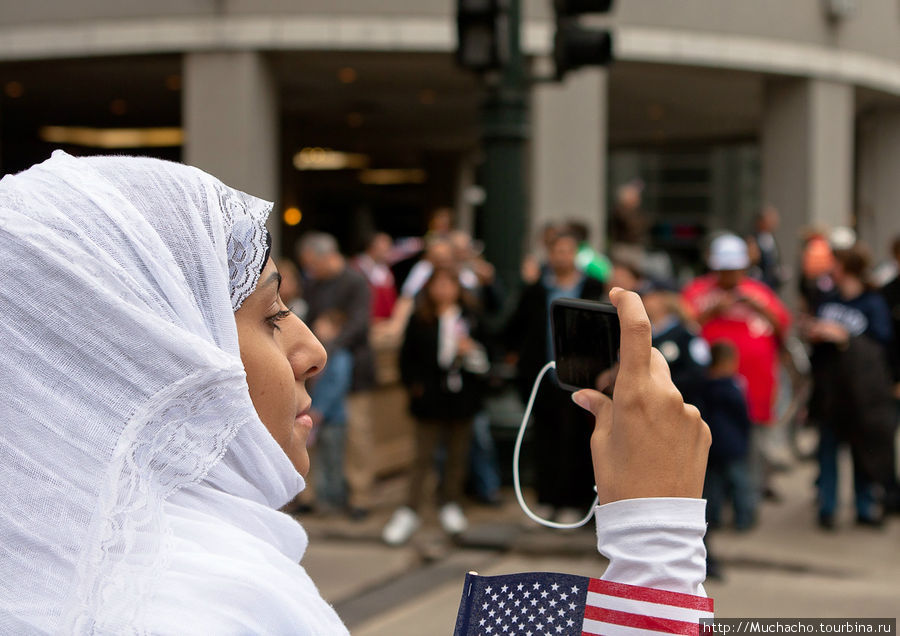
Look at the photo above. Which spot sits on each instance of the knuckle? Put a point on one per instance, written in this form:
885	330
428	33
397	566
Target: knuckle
639	327
673	396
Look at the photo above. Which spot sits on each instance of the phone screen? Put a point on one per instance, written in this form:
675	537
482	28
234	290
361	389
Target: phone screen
586	338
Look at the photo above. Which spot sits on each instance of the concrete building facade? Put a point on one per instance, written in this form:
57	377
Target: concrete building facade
718	106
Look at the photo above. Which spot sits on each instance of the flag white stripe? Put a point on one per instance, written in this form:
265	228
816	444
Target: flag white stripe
646	608
609	629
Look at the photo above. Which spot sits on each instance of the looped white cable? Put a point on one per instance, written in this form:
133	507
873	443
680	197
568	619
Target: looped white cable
518	487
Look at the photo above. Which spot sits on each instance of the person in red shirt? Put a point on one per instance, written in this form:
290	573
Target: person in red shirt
729	305
373	264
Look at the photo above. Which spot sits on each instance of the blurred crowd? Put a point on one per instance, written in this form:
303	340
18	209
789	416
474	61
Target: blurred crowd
767	350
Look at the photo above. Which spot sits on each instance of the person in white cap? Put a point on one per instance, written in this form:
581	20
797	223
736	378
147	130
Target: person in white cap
729	305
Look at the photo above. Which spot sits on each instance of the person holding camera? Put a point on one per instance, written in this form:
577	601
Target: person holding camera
142	494
729	305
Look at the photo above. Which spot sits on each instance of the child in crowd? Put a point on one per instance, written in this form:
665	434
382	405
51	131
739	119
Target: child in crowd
725	411
440	364
328	411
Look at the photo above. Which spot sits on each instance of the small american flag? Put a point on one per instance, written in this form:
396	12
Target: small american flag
532	603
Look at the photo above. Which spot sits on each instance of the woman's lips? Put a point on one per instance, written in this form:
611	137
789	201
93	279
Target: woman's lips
304	420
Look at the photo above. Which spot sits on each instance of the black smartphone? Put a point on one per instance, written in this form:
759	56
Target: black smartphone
586	337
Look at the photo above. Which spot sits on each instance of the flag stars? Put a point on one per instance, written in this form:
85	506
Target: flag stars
563	596
526	595
488	589
491	613
552	603
550	619
572	606
495	597
485	606
541	610
537	586
533	602
504	589
482	622
501	604
519	587
517	602
562	612
574	589
508	611
531	618
554	587
570	623
559	629
544	594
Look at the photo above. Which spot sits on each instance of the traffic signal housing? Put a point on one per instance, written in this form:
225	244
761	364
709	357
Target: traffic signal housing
575	45
482	28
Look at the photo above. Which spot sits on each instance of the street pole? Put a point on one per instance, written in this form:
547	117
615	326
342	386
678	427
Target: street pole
505	126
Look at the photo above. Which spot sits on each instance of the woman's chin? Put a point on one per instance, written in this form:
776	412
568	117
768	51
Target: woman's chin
300	460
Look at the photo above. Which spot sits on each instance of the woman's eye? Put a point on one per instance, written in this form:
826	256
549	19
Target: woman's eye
274	319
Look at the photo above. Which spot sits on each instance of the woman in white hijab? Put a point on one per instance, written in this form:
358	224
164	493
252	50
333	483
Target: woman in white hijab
139	477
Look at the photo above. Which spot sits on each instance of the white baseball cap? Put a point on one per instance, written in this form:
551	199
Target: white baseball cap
728	252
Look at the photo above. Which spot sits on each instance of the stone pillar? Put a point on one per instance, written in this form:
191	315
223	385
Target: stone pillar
878	191
231	118
807	159
568	153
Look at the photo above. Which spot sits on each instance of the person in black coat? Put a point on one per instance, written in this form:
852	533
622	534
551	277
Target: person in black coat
441	366
562	431
891	294
851	399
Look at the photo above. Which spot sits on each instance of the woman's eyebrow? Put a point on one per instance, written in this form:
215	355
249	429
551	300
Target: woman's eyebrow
274	277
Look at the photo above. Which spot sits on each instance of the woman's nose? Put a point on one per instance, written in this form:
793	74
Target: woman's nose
305	352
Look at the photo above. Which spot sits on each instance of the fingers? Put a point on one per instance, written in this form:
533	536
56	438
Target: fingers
596	403
634	349
659	367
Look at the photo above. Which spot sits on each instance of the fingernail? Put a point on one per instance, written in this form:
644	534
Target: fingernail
581	400
615	290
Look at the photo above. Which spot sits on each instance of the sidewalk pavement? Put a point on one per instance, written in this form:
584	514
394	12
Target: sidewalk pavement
785	567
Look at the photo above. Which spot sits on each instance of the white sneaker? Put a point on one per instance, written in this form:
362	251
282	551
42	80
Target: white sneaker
401	526
453	521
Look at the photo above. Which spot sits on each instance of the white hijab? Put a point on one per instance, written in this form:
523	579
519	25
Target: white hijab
138	487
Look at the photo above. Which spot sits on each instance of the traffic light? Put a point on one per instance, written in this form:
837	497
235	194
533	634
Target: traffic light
482	28
575	45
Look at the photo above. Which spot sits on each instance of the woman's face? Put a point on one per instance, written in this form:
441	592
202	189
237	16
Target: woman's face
279	355
443	290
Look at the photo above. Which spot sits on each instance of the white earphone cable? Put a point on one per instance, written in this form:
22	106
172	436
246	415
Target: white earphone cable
518	487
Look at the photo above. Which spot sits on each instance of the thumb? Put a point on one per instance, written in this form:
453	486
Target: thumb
597	403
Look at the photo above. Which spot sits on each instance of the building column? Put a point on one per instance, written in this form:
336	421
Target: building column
878	198
230	116
807	159
568	153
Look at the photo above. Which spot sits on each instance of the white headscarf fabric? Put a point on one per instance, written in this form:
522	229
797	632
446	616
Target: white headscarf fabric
138	487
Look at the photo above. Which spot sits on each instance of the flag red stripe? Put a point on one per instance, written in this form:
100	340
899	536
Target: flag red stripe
651	595
640	621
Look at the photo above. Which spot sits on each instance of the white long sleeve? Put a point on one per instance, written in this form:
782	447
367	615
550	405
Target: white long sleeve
654	542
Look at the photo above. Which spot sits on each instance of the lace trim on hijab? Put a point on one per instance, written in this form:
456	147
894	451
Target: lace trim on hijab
247	243
190	424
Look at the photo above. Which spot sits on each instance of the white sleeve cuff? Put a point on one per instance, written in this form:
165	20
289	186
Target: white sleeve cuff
654	542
